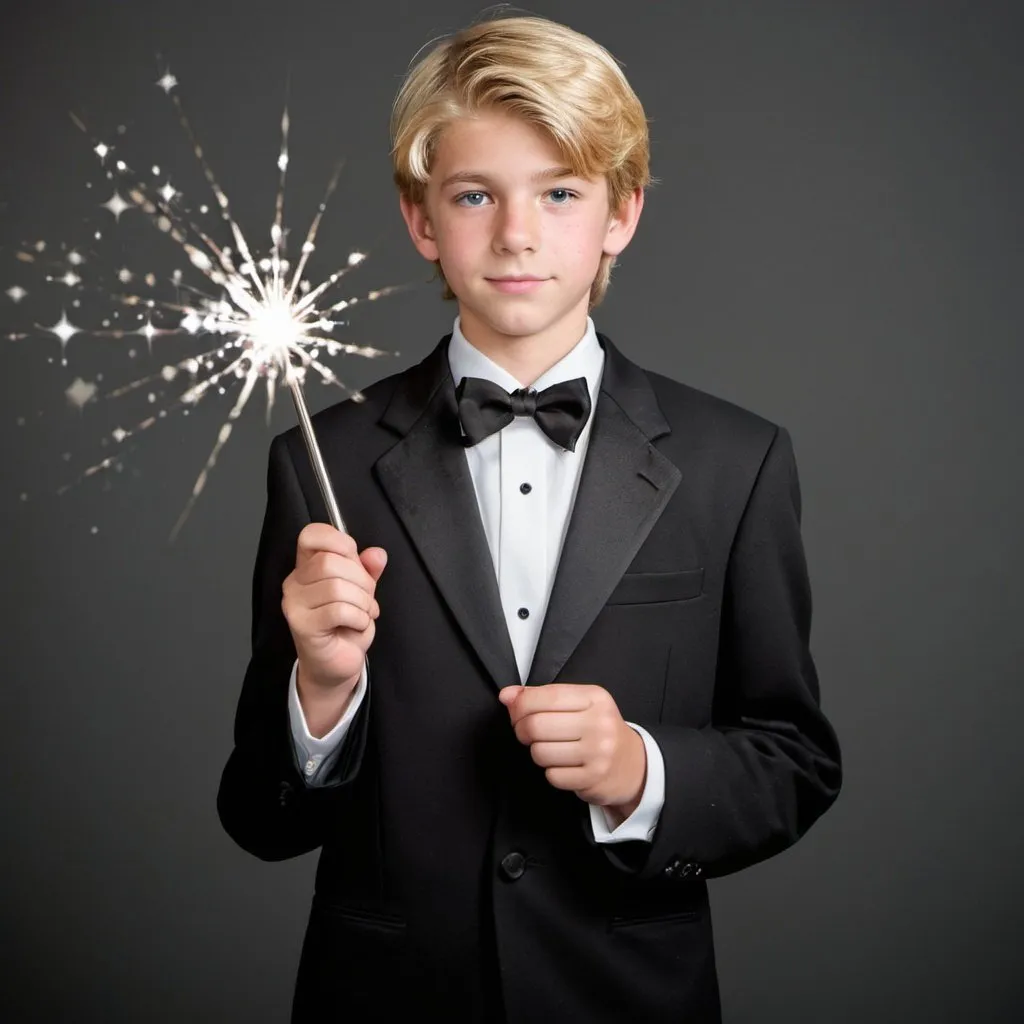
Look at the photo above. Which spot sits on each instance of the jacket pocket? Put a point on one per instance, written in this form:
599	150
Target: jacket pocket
655	587
364	915
668	917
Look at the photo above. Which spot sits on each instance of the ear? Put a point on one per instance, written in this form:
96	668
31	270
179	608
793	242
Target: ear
421	231
622	223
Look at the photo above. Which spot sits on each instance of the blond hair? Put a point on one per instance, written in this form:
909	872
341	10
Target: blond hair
555	79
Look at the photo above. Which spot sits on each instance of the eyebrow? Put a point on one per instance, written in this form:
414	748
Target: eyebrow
547	175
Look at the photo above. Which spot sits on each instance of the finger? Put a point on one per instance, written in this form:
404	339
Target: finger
323	592
558	755
326	565
552	697
574	779
557	726
339	615
316	537
374	560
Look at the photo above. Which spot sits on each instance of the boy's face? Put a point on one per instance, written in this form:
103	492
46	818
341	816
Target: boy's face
492	212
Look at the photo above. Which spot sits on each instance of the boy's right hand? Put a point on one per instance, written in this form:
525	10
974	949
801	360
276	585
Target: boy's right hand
328	601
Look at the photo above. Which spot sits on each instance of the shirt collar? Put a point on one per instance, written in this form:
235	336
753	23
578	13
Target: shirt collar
584	359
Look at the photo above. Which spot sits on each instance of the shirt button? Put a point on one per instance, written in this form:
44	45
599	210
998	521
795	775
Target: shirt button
312	764
525	488
524	613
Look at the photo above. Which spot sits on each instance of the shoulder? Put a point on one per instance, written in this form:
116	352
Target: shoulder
353	417
723	446
709	418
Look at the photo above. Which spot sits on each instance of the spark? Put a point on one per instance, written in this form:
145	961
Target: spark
268	323
116	205
63	329
80	392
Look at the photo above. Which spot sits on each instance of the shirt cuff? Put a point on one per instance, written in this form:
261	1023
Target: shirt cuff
644	820
315	753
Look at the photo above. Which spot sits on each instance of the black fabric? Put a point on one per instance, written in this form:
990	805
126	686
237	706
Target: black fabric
681	589
561	410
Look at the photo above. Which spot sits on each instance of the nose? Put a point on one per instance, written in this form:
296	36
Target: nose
516	227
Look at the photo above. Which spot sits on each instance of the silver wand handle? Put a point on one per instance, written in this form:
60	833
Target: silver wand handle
315	457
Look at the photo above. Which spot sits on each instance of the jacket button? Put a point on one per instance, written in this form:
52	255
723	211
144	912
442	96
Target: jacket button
284	794
690	871
672	870
513	865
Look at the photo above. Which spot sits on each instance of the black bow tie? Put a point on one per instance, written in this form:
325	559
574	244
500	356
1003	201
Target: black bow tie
561	410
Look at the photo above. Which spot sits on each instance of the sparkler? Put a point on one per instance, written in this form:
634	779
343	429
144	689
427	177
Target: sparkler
270	320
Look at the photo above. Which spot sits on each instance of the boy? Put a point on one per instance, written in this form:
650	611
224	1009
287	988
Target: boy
591	690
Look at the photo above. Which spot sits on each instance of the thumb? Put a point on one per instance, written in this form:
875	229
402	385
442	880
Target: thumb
374	560
507	694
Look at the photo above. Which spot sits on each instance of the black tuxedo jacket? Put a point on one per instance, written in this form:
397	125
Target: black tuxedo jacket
454	882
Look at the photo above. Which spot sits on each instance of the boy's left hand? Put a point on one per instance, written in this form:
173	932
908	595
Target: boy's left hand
577	735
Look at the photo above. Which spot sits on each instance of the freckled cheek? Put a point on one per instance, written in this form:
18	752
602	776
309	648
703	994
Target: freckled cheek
581	249
459	261
463	249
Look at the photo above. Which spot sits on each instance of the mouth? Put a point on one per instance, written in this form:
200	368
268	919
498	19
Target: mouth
516	285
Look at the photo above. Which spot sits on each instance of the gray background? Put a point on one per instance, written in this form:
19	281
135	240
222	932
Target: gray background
835	243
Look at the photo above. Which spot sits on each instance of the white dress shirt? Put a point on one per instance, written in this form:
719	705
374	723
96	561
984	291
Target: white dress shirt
525	533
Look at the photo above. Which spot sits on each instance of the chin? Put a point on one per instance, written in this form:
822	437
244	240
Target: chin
519	326
525	320
512	322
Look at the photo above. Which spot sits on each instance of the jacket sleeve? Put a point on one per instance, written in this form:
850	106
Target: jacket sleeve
263	802
753	782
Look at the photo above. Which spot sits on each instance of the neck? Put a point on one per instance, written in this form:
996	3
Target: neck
525	357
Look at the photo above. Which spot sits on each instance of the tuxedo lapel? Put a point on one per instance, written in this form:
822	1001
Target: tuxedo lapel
624	485
427	480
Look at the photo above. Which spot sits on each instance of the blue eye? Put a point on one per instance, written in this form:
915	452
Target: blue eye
562	197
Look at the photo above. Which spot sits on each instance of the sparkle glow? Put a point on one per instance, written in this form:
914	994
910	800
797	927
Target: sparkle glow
268	321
